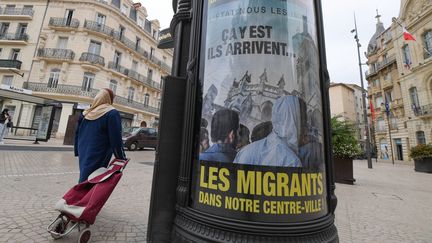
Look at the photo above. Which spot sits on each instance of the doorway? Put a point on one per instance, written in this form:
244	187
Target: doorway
399	149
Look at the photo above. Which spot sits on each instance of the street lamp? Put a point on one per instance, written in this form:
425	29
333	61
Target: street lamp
258	90
368	147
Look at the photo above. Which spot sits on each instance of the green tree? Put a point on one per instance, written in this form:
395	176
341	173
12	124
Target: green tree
344	142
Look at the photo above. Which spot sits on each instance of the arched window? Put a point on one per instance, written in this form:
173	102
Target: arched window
427	39
146	99
54	78
421	139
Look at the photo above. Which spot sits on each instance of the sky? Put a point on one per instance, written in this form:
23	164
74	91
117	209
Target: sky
342	59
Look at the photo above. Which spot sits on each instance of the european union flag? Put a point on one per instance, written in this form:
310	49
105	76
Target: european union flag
387	106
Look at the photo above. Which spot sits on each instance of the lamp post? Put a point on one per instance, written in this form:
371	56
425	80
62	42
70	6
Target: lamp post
368	147
244	139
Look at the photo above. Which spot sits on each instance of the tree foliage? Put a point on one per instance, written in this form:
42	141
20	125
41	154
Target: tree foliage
344	142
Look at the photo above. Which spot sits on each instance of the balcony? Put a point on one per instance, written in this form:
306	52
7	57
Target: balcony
427	54
62	89
92	58
397	103
166	67
118	68
13	38
140	106
56	54
10	64
64	23
16	13
423	111
381	65
387	84
78	91
99	28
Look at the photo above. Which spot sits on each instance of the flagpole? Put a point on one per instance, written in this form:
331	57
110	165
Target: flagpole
397	22
366	124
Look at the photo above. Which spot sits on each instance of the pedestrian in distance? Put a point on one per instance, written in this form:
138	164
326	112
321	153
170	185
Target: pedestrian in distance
98	135
4	120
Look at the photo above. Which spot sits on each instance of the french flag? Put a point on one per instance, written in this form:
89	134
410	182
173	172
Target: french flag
407	35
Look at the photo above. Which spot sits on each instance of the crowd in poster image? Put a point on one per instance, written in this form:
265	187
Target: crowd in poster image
281	142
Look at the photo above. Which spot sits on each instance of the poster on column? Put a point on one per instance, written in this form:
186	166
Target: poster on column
261	149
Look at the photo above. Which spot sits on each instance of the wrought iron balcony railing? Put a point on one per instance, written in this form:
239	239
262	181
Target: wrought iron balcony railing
78	91
64	22
135	75
92	58
118	68
427	54
14	36
421	111
16	11
62	54
126	102
97	27
6	63
62	89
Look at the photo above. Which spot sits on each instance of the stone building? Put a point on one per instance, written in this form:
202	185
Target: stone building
399	79
76	48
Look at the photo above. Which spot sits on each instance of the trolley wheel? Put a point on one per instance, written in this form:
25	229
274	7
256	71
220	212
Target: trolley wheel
59	227
84	236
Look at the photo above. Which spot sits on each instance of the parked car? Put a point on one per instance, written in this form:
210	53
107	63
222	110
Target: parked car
140	137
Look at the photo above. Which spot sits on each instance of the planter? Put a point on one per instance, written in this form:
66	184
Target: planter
343	169
423	165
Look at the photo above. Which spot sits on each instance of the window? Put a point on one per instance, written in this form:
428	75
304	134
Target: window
88	80
406	56
100	19
376	83
137	43
141	22
158	103
134	65
117	58
7	80
28	9
94	47
155	34
54	78
380	125
22	29
394	123
152	50
14	54
388	96
150	74
146	99
147	26
124	9
113	86
378	101
4	28
9	9
121	31
131	94
62	43
68	16
427	39
421	139
414	97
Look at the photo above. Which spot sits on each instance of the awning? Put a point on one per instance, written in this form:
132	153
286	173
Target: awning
14	93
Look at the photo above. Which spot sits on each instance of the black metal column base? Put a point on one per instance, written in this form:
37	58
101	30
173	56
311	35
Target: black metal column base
189	227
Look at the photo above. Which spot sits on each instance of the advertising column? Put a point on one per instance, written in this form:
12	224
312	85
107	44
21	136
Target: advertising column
261	149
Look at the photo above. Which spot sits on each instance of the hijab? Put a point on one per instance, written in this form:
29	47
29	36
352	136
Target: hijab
102	104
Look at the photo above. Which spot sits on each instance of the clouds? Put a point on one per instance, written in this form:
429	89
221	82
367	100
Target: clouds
341	51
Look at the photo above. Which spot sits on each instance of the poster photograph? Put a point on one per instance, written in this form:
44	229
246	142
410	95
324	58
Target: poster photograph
261	148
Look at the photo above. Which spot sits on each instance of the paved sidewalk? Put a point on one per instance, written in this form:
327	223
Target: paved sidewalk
390	203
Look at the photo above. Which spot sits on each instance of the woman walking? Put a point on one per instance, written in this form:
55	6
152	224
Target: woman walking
4	120
98	135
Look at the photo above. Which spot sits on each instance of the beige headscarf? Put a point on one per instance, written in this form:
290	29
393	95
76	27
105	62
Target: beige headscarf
102	104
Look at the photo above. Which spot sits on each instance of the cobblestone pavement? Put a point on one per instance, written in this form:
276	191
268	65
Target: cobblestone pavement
32	182
390	203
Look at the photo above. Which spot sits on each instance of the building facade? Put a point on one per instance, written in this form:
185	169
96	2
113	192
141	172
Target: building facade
79	47
399	79
346	103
